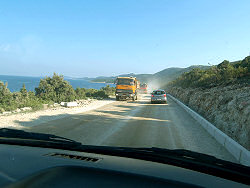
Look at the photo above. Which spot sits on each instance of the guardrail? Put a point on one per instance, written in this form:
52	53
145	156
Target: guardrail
241	154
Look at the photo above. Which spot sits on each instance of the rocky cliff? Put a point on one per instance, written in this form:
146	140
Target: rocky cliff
227	107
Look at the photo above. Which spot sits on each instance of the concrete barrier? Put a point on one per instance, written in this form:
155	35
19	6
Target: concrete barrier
241	154
63	103
69	104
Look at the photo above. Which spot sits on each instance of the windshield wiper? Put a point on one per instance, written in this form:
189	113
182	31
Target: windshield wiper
182	158
20	136
194	157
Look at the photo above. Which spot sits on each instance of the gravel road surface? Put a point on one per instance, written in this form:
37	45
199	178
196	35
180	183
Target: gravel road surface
136	124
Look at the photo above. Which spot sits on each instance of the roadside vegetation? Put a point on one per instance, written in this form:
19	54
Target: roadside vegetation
224	73
50	90
221	94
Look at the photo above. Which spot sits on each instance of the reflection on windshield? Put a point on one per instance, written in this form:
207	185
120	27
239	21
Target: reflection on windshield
141	47
125	82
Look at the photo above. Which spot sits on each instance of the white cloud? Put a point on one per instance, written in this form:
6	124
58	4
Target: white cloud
26	49
5	47
31	45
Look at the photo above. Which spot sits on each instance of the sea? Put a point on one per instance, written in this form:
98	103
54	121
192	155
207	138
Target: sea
15	83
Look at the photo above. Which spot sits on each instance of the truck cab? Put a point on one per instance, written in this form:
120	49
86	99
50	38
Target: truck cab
127	88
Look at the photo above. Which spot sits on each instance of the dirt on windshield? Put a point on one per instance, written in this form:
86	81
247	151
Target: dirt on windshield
132	124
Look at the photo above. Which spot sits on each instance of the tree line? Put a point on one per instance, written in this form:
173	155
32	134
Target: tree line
50	90
223	74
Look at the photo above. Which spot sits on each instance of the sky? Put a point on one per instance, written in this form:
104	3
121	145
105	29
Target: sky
89	38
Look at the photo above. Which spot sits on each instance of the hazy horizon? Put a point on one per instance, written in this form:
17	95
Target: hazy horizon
51	74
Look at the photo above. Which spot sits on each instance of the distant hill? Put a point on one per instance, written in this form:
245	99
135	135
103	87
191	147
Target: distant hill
160	78
103	79
144	78
141	77
170	74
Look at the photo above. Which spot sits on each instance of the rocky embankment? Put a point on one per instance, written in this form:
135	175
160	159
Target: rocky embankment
227	107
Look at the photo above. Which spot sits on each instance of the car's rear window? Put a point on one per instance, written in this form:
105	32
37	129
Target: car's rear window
159	92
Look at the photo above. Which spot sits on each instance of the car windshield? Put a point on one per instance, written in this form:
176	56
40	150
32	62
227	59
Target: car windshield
90	71
125	82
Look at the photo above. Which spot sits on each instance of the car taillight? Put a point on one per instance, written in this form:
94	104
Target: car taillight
165	95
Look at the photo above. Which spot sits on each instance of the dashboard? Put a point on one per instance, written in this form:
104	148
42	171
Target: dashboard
23	166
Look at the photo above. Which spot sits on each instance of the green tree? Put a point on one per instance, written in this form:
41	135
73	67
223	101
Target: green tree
224	73
80	93
6	98
91	92
224	64
4	89
108	90
55	89
24	91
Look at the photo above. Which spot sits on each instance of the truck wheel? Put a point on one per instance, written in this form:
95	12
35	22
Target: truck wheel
117	98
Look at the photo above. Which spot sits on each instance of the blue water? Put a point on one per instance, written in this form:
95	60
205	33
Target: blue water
15	83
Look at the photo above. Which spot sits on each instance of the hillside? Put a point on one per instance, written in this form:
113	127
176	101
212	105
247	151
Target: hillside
164	77
161	78
221	94
224	73
103	79
167	75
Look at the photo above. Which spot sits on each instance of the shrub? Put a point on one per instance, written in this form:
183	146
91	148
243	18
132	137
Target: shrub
90	92
80	93
108	90
223	73
6	98
55	89
49	91
100	93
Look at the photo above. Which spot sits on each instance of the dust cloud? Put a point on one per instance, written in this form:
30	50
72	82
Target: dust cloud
153	85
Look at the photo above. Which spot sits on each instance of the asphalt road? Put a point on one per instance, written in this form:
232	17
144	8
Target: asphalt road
137	124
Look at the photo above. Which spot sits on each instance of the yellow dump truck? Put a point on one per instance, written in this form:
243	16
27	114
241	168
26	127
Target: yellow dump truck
127	88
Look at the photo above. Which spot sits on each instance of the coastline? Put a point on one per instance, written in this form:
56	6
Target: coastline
101	82
15	83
